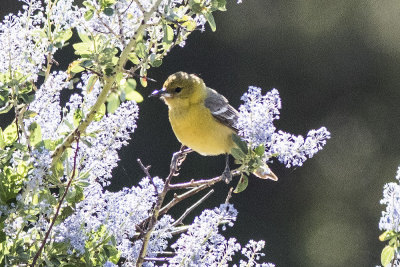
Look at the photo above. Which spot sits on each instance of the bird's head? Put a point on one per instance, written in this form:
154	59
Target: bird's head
182	89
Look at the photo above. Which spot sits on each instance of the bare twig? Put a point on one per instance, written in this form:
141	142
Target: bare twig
146	171
197	183
191	208
228	197
156	259
37	255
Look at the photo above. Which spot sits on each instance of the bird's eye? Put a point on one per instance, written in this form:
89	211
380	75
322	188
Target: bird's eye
178	89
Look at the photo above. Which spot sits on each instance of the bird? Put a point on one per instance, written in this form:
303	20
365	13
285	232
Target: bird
201	118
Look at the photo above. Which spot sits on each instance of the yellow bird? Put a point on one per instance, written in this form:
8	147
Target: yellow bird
201	118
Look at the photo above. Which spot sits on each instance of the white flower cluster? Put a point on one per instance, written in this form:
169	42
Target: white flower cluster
22	49
47	105
255	124
119	212
390	219
120	24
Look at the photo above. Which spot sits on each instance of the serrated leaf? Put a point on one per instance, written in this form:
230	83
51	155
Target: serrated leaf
240	143
387	255
242	184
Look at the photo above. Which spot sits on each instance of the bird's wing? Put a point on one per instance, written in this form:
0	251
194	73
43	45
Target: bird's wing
220	109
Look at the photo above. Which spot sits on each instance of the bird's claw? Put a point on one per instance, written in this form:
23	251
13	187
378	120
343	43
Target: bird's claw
227	175
177	159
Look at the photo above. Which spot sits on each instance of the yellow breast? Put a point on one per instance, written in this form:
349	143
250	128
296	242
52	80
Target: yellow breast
196	128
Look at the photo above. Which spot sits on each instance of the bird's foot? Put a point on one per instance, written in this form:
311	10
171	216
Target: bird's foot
227	175
179	157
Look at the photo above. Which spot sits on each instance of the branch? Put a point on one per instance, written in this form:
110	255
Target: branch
109	81
181	197
146	171
37	255
197	183
191	208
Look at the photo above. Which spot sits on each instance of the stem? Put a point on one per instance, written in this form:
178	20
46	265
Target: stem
109	82
37	255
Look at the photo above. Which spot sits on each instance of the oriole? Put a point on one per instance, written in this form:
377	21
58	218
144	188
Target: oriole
201	118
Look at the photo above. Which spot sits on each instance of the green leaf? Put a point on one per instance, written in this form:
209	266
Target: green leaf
260	150
100	113
134	59
130	84
237	153
141	50
91	82
134	95
240	143
2	141
88	15
154	61
108	11
78	116
10	134
63	36
85	38
210	19
168	34
387	255
242	184
75	67
113	102
387	235
35	135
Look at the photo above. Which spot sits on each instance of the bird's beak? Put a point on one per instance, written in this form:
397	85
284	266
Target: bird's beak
160	93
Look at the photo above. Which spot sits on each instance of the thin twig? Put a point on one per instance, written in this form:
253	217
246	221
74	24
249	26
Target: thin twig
197	183
191	208
146	171
157	259
37	255
228	197
179	198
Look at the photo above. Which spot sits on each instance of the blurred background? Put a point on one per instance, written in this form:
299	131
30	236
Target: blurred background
335	64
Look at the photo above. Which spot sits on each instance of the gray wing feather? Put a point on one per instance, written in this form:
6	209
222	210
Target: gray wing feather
220	109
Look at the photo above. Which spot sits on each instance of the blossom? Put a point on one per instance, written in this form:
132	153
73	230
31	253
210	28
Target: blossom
390	219
256	126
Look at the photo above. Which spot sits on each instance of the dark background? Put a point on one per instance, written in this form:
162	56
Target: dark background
335	64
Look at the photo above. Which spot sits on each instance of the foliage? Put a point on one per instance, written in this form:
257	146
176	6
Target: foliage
55	159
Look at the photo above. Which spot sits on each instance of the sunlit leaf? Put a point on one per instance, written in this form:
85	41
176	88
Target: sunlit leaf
242	184
387	255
